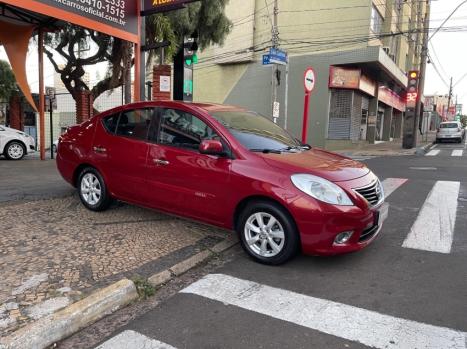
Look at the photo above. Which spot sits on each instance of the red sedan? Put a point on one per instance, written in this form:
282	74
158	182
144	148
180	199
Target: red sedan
228	167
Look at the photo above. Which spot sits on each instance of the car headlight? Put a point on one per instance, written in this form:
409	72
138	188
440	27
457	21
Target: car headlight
321	189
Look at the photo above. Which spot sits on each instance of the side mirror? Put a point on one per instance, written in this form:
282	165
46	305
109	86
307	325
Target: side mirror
211	147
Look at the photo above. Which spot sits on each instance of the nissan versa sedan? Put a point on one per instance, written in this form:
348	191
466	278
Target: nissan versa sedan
228	167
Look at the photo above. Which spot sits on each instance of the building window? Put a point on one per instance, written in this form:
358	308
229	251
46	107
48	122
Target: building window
376	21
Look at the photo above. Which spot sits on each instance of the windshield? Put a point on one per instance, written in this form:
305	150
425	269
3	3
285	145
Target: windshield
255	132
451	125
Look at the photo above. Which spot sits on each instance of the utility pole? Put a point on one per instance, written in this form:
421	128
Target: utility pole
275	44
423	62
450	95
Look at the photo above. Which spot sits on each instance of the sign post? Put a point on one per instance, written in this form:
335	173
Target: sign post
309	83
50	92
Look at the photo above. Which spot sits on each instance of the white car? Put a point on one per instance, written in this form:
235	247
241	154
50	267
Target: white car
15	144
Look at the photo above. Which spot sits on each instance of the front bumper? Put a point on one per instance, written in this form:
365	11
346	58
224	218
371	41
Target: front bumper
319	227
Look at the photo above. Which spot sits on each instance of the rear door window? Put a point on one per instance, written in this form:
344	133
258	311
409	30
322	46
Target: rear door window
135	123
110	123
450	125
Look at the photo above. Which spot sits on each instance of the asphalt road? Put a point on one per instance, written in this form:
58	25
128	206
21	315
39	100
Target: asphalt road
31	179
407	290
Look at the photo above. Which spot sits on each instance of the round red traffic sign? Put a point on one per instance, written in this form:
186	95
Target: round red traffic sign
309	80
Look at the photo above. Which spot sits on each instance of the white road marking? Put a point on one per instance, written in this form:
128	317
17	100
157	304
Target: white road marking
390	185
131	339
364	326
434	228
457	152
424	168
433	152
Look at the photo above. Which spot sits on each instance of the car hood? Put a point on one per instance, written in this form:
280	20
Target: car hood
330	166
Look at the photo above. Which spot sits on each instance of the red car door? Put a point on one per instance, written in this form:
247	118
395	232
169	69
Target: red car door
181	179
120	152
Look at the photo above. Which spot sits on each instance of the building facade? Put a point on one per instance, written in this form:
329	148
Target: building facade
360	50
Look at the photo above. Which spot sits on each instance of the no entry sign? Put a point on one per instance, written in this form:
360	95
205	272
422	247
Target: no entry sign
309	80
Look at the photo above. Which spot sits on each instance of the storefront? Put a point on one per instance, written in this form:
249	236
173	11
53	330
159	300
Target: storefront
350	115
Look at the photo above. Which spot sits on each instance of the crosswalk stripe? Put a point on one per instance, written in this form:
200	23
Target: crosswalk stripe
433	229
457	152
390	185
360	325
433	152
132	339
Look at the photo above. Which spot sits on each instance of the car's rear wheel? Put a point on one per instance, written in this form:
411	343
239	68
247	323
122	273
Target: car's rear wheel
15	151
93	191
268	233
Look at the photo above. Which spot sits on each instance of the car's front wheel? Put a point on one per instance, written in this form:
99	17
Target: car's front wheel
268	233
14	151
93	191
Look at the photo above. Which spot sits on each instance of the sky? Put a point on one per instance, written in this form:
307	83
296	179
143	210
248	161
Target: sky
448	50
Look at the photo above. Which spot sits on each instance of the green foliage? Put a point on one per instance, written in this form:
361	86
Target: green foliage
144	288
205	17
7	81
464	120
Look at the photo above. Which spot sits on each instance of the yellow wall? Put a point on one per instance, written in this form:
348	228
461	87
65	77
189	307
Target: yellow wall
305	27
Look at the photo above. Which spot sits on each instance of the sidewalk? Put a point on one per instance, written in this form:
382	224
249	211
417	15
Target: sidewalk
389	148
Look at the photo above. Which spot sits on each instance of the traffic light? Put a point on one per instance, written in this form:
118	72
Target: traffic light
412	88
184	61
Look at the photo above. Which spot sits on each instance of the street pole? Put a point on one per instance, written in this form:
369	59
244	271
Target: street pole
286	103
275	43
51	127
424	59
450	96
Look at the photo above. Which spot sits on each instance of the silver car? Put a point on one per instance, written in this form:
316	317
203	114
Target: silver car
452	130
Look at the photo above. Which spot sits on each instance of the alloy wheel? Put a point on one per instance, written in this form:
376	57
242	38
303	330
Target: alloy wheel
91	189
264	234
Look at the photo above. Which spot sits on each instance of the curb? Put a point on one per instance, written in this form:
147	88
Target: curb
55	327
163	277
62	324
423	150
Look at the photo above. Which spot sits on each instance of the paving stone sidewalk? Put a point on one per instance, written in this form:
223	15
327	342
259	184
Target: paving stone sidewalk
54	252
388	148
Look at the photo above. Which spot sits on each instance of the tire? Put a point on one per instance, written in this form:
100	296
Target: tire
93	191
14	151
258	242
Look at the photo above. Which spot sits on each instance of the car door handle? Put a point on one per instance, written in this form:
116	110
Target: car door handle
161	162
99	149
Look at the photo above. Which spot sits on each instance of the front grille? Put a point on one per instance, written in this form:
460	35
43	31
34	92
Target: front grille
372	193
368	233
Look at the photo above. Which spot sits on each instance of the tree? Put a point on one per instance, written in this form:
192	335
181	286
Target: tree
206	17
7	81
464	120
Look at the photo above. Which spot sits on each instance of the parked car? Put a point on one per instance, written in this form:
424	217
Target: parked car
452	130
14	144
228	167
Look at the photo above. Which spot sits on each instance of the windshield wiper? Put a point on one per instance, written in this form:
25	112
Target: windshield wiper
298	147
267	151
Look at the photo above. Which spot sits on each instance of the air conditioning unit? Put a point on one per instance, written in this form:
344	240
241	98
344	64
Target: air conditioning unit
386	49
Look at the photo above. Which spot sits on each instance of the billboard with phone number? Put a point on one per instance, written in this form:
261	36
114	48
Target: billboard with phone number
117	18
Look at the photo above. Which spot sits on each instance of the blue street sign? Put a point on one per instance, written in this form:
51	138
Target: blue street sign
266	59
277	56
